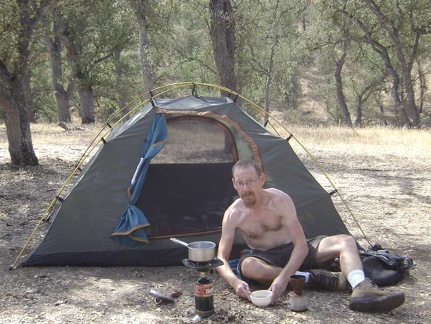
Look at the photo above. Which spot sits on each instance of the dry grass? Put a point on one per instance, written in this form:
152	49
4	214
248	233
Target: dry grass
377	163
52	141
378	140
373	140
191	141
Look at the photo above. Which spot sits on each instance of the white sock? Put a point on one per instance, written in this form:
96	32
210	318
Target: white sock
355	277
305	274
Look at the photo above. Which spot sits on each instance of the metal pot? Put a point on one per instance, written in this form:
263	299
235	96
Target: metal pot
199	251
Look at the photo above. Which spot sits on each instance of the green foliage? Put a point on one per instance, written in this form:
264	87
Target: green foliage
180	44
8	33
382	44
288	47
267	31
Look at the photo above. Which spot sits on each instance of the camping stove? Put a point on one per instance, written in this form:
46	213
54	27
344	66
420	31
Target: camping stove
203	288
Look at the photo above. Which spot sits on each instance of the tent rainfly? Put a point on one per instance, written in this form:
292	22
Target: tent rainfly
166	172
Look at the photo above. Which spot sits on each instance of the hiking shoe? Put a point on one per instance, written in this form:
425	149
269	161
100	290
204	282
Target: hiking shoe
321	279
367	297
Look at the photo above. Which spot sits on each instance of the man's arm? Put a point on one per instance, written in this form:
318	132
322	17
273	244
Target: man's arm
299	252
225	247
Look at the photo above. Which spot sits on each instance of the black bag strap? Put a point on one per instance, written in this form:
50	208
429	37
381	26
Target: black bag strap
390	260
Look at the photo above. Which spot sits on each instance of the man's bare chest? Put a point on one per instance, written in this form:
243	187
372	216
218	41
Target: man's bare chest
257	227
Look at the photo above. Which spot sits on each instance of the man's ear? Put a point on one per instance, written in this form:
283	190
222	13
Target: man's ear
262	179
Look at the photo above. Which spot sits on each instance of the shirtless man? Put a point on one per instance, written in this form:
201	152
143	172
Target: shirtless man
268	222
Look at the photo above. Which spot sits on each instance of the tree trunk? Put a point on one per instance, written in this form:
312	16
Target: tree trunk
13	85
222	32
380	49
139	7
358	120
409	103
422	86
28	96
86	103
62	97
18	127
339	86
363	96
382	111
400	111
84	87
81	75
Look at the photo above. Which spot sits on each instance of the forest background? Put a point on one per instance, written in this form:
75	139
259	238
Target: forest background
342	62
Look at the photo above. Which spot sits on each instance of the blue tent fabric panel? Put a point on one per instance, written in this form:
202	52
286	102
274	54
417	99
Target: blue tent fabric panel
130	232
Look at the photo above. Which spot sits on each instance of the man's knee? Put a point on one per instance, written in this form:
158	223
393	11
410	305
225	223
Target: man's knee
347	242
248	267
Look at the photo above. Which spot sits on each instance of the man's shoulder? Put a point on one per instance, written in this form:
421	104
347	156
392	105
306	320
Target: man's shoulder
235	207
278	199
235	212
276	193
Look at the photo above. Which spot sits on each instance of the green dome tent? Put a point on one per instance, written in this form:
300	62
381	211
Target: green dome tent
166	172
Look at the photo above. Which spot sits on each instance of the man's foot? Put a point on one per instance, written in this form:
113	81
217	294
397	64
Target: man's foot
367	297
321	279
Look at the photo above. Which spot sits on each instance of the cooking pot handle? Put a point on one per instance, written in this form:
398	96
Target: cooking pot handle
173	239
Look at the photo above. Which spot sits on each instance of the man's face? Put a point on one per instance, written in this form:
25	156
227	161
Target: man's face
247	183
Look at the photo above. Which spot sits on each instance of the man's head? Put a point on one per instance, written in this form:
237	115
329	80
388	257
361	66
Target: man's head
247	163
248	179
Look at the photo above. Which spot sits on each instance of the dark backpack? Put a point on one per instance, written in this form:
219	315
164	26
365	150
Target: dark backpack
383	267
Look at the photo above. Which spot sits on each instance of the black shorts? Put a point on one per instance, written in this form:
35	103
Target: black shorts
280	255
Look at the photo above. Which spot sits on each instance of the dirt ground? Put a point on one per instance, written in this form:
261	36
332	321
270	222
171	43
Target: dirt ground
387	188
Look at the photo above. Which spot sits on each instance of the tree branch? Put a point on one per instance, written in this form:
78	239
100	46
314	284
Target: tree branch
104	58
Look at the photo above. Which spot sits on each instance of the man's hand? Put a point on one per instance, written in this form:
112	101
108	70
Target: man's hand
242	289
278	287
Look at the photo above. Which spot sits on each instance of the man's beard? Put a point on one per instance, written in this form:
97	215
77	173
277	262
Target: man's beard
249	199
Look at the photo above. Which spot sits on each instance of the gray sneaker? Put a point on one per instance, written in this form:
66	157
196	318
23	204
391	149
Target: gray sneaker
367	297
321	279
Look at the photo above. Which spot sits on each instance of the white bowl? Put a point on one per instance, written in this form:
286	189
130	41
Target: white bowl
261	298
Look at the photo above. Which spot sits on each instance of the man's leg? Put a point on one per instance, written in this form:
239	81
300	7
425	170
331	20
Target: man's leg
365	296
324	250
343	247
258	270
